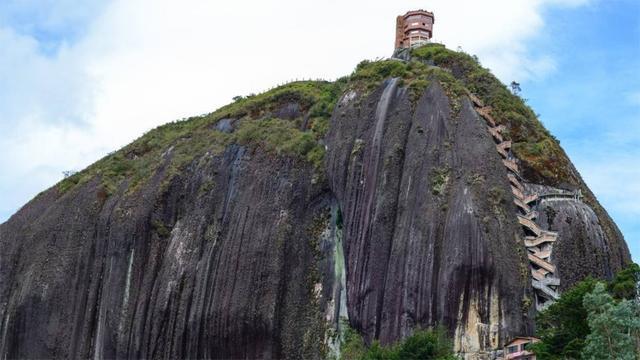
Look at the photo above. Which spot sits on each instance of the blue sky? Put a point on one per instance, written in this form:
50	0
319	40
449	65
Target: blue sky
79	79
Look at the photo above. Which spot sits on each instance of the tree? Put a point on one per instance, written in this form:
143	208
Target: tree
237	98
568	330
68	173
426	344
625	284
431	344
515	88
563	326
615	326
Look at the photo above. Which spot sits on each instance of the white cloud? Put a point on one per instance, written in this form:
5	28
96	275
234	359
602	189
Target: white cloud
36	84
142	63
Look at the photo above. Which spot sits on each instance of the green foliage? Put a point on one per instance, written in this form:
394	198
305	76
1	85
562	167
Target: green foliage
563	326
280	137
496	196
566	326
352	347
426	344
532	143
625	284
160	229
421	345
475	179
615	327
374	72
305	93
440	180
176	145
414	75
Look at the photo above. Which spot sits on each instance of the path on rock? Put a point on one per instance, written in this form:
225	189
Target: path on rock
539	243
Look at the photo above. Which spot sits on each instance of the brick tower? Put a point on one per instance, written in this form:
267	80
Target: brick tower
414	28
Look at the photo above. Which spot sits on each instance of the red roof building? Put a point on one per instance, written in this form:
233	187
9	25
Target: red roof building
414	28
516	348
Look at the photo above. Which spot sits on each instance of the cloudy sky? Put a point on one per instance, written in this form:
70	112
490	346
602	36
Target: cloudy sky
81	78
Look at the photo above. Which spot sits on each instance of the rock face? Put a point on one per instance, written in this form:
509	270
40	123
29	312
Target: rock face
221	264
424	245
583	248
240	254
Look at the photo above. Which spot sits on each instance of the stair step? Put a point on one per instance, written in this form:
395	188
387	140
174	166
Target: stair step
502	152
485	112
539	274
476	100
517	193
530	198
495	133
521	205
542	254
541	263
505	144
514	181
546	290
545	237
511	165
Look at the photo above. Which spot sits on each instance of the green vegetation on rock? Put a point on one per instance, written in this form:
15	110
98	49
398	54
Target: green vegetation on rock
532	143
414	75
440	180
625	284
172	147
169	149
430	344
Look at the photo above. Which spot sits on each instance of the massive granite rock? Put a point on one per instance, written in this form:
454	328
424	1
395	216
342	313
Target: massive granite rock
227	262
424	244
240	254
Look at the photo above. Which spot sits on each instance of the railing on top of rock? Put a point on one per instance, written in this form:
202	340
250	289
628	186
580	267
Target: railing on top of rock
539	242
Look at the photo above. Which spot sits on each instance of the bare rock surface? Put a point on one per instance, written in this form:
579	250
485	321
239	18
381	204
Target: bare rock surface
424	245
583	247
222	264
240	254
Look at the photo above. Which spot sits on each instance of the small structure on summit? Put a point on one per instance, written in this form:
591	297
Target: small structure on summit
414	28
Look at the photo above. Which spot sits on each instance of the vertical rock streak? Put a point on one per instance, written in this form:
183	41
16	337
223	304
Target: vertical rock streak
371	170
366	238
427	259
240	254
337	314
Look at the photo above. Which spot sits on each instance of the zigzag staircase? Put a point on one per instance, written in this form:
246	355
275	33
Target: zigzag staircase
538	242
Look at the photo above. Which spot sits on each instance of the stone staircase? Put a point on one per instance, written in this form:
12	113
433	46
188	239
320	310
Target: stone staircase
538	242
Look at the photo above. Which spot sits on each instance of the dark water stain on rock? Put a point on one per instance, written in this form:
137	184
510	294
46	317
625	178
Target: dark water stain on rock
236	257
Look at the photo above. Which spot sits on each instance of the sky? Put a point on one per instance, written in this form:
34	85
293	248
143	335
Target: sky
81	78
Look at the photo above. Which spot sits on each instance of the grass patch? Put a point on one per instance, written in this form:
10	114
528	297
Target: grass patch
281	137
416	76
177	144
